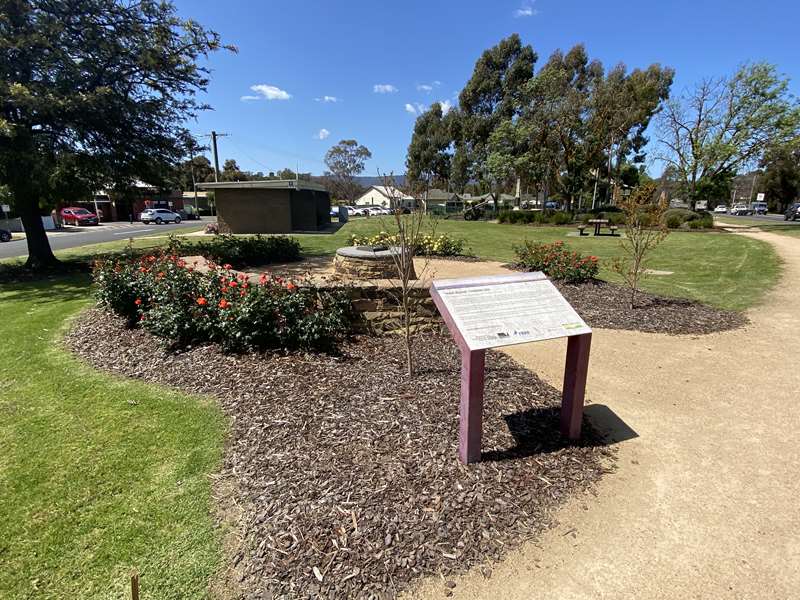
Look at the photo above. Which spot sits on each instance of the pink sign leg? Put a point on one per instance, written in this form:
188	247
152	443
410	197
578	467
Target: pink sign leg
575	385
470	421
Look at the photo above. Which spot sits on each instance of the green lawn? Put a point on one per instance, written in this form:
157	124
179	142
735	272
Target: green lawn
721	269
98	475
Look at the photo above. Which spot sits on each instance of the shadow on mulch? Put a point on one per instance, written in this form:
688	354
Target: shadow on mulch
604	428
346	470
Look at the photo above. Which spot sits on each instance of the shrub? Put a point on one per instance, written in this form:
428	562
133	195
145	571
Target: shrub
429	245
556	261
184	306
241	251
528	217
561	218
673	221
674	218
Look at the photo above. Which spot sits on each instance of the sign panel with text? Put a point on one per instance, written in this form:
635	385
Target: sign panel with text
508	309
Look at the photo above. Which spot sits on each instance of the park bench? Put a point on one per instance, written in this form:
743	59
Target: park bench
581	230
613	229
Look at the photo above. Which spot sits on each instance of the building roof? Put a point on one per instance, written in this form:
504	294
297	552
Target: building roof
269	184
390	192
437	194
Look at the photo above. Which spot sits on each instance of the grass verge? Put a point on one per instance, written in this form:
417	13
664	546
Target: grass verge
98	475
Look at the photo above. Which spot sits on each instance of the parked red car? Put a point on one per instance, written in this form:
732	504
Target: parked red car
74	215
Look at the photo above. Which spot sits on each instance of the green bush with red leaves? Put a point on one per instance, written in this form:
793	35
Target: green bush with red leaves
184	306
556	261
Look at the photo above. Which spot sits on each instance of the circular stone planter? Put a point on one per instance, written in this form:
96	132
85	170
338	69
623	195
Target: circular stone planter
367	262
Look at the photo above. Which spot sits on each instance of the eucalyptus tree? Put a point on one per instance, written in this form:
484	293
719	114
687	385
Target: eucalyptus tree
92	91
492	95
429	153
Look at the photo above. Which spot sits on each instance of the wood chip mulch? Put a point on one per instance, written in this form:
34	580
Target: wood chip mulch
606	305
346	470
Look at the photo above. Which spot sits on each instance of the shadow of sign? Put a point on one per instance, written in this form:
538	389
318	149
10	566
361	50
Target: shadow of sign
535	431
607	424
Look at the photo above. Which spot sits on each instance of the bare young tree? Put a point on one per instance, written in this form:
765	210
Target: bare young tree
726	124
644	230
407	231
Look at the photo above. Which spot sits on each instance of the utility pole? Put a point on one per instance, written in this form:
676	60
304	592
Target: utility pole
214	136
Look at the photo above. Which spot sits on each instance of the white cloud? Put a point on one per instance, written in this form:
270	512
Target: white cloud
526	10
327	99
267	92
428	87
384	88
416	108
322	134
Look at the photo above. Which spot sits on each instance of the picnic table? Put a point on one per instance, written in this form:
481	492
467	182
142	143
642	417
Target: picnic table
598	223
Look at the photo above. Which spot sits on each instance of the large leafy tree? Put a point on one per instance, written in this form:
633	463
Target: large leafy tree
782	174
726	125
93	91
492	95
622	105
429	157
345	161
559	109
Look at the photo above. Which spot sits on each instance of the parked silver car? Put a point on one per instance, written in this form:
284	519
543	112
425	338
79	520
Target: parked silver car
159	216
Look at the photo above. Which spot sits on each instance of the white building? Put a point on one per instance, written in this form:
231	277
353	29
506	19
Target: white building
385	197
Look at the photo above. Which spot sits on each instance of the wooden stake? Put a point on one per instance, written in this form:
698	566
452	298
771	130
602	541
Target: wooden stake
135	586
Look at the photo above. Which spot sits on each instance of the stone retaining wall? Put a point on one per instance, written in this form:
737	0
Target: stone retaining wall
380	311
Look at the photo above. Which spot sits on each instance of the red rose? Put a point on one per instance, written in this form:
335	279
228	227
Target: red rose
223	303
138	301
202	301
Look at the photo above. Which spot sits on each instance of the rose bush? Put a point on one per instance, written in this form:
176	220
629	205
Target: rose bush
556	261
184	306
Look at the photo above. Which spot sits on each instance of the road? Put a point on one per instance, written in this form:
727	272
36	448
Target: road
73	237
770	218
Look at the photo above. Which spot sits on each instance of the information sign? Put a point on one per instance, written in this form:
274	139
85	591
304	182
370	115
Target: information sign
489	312
506	310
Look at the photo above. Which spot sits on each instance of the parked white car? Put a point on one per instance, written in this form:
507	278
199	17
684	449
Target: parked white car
358	211
740	209
375	211
159	216
721	208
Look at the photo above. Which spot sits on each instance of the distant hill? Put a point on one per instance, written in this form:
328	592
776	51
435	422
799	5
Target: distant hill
368	181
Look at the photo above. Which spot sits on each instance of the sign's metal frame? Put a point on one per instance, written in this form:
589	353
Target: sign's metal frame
473	364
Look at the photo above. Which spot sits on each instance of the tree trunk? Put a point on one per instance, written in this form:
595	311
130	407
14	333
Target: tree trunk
40	255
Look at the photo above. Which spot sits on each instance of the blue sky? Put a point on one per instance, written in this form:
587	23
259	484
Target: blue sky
310	73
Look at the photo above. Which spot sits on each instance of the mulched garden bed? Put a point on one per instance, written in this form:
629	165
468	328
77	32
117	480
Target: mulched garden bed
606	305
346	470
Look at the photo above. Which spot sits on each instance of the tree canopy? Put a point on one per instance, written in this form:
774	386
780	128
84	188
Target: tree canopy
559	128
93	91
345	161
726	124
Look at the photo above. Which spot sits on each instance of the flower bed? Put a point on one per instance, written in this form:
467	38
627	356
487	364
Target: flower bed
556	261
430	245
184	306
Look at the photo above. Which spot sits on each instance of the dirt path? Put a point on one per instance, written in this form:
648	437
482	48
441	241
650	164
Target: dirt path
706	500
